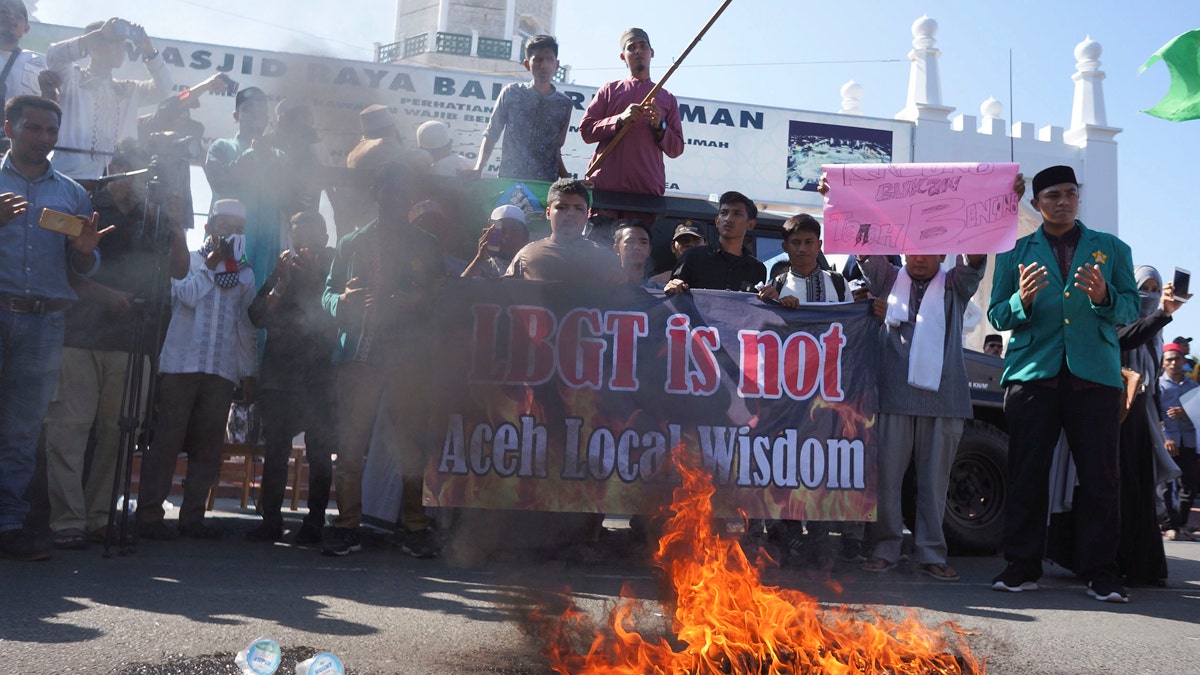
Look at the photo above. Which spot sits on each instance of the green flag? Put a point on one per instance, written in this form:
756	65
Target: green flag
1182	56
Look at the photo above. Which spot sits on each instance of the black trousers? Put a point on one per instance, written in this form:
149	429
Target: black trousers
1090	417
285	414
1189	484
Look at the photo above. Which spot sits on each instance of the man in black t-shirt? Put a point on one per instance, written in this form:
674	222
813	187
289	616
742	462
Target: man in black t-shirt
725	265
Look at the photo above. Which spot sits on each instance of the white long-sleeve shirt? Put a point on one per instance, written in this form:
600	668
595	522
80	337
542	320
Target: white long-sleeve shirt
23	78
210	330
98	111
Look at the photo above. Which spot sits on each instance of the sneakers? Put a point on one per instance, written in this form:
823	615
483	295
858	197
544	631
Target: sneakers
419	544
342	541
201	530
20	544
265	533
308	534
1015	578
157	531
1107	591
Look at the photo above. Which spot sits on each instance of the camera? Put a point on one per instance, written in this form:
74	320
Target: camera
173	145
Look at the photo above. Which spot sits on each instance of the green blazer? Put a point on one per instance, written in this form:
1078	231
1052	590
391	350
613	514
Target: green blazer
1063	323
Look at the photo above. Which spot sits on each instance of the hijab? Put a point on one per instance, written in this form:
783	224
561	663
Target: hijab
1144	359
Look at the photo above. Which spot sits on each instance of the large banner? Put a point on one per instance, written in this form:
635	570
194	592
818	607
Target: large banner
921	208
771	154
561	397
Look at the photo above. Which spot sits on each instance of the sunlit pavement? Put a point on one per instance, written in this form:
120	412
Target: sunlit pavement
161	608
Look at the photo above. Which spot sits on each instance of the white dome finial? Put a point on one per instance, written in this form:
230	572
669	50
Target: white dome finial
1087	106
1088	50
851	98
924	100
924	27
991	108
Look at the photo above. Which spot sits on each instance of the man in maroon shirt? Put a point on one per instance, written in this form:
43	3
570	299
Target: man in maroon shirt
636	164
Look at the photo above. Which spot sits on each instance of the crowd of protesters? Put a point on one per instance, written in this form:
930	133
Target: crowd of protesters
322	337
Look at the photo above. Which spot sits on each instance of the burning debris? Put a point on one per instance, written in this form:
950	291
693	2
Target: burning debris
726	621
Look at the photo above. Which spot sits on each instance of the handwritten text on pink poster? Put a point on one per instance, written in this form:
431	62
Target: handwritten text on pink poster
920	208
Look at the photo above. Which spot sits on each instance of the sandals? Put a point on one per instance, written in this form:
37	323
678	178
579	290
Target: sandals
939	571
877	565
71	539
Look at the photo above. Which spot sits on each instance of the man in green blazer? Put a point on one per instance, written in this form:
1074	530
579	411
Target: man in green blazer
1062	291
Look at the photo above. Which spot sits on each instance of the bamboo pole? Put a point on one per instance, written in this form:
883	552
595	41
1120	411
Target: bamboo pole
659	85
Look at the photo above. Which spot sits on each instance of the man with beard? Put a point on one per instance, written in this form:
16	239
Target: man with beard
636	164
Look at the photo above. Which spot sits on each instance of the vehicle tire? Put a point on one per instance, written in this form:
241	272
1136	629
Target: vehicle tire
974	522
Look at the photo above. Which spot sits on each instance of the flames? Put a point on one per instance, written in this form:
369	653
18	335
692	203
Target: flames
726	621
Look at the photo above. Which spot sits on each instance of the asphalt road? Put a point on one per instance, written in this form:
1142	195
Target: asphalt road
187	606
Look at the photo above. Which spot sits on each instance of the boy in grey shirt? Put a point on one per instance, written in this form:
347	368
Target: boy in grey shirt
534	117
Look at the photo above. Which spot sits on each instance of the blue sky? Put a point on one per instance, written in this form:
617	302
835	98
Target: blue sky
797	55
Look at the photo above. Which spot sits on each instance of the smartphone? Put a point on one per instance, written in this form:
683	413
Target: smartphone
128	31
1182	279
495	235
231	86
62	223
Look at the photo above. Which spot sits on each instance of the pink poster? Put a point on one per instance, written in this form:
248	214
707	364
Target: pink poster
920	208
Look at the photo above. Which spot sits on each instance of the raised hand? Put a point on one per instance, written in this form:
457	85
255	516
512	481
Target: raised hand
1033	280
1089	280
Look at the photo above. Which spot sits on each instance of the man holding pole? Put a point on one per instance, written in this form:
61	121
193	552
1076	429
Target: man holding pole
635	164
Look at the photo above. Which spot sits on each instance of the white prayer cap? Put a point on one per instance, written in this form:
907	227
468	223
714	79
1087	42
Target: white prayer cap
228	207
433	135
508	211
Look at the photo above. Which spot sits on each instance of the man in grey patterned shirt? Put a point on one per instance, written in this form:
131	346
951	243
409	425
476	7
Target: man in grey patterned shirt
534	118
